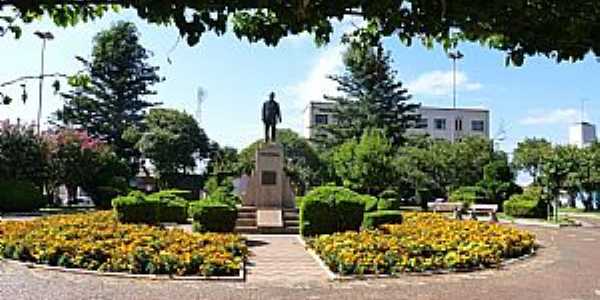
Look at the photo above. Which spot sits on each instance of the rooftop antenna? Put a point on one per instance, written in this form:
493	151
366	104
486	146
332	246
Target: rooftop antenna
200	96
581	117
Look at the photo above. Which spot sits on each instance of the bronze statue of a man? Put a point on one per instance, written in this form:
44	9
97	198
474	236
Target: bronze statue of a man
271	115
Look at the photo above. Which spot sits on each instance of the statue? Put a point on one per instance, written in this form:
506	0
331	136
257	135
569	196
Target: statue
271	115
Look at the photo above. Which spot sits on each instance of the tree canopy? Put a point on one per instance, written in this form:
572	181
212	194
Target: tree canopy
562	30
109	97
530	154
371	97
173	141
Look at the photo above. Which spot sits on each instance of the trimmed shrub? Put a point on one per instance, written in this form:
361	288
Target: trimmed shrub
526	205
174	211
139	208
212	216
374	219
388	204
20	196
299	200
329	209
467	195
224	195
135	209
371	203
171	194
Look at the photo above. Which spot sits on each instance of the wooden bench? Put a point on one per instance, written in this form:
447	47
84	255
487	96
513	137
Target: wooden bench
453	207
490	209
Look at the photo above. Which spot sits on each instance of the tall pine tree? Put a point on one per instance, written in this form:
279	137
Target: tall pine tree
370	97
108	99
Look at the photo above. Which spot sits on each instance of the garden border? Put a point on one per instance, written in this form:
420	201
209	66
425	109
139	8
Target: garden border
337	277
31	265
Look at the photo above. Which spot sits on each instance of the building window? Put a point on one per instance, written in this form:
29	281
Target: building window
458	124
440	124
477	125
321	119
422	123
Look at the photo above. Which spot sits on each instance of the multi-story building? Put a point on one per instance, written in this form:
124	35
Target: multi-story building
445	123
582	134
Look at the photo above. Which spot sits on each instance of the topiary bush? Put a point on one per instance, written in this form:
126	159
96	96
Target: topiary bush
388	204
372	220
137	207
171	194
329	209
225	196
20	196
388	200
526	205
173	211
212	216
371	203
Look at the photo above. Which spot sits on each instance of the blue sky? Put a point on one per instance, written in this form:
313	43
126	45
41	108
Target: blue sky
539	99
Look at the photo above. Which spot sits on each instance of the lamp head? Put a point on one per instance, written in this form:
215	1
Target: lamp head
44	35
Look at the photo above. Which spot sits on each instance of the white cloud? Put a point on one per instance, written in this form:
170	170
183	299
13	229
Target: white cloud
316	84
556	116
439	83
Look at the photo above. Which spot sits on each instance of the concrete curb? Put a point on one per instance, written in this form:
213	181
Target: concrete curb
523	222
337	277
240	277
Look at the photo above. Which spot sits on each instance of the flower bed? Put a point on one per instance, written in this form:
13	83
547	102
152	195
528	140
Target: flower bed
423	242
96	241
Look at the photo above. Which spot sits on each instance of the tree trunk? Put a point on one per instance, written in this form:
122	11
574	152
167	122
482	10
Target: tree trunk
572	200
588	202
71	194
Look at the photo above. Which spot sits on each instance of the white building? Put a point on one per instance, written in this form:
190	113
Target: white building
582	134
445	123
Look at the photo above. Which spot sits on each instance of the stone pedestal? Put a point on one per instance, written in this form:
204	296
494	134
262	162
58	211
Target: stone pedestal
269	187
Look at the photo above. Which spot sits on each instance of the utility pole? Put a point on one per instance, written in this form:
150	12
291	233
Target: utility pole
45	36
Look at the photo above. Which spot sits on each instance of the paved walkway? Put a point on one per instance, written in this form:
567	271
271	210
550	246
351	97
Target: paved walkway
281	259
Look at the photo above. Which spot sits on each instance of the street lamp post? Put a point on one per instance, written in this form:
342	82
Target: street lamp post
454	56
45	36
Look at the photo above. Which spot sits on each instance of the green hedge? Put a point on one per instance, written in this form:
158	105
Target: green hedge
526	205
388	204
330	209
374	219
171	194
371	203
132	209
173	211
155	208
20	196
213	216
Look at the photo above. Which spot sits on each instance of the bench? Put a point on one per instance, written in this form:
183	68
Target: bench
453	207
490	209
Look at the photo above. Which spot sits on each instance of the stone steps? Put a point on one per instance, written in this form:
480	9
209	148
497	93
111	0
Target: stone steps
246	222
246	229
